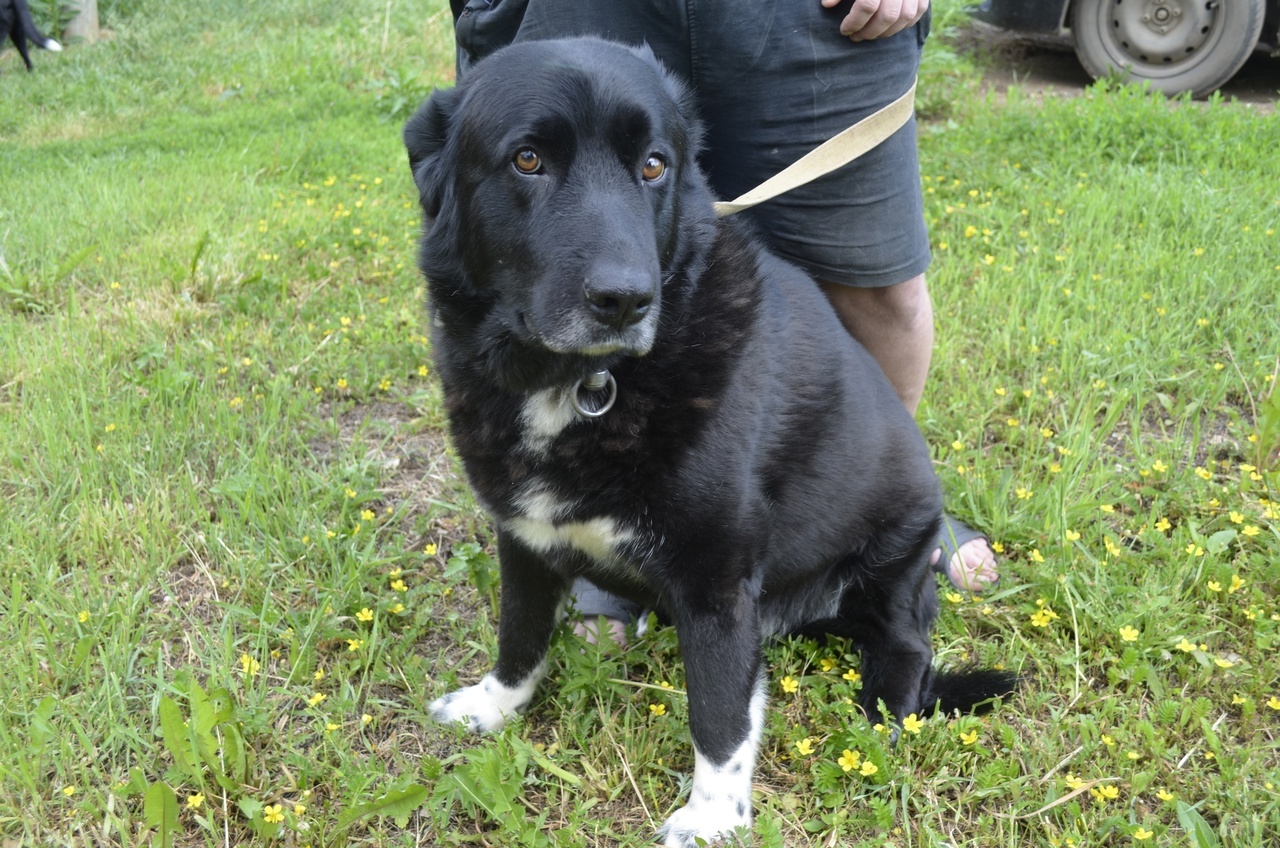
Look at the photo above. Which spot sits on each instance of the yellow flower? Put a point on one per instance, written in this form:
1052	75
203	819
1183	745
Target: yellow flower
299	809
1203	473
431	549
1273	702
849	760
1186	646
1023	493
249	665
396	609
827	663
315	699
658	709
355	644
957	445
954	597
1222	663
1142	834
1108	740
330	727
68	791
1073	782
1250	530
365	614
1129	634
1214	586
1073	536
318	675
1163	525
805	746
1165	795
912	723
1236	518
367	515
1036	556
83	616
1107	508
1159	467
851	676
1043	617
1194	549
366	719
273	813
195	801
398	585
1237	583
790	684
968	737
868	768
1105	793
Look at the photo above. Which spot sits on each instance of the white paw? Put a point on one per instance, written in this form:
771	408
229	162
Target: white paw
705	819
486	706
50	44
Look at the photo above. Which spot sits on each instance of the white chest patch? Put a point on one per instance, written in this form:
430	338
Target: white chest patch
542	525
545	415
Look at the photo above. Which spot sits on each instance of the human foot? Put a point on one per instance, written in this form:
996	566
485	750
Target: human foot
590	629
971	564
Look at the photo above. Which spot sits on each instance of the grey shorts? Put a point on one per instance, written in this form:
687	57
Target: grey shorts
772	80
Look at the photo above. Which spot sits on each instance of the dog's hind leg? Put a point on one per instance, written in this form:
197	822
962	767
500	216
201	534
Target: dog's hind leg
894	623
532	593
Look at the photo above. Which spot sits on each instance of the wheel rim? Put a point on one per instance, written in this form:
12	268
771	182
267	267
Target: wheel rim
1163	36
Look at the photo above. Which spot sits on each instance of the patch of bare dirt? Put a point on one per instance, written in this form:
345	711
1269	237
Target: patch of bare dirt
1047	67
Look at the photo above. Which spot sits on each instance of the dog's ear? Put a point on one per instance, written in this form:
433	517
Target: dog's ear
681	95
425	136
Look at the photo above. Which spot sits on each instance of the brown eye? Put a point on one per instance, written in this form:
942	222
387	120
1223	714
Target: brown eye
527	161
653	168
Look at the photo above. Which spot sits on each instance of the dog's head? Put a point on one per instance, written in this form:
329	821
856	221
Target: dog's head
563	205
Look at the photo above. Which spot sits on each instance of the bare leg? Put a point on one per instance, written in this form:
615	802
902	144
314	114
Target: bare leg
895	324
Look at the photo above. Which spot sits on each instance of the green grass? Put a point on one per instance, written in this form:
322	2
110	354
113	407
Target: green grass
227	490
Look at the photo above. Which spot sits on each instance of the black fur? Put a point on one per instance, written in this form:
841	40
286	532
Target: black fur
16	22
762	473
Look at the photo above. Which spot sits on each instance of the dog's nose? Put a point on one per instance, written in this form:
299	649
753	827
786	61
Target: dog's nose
619	297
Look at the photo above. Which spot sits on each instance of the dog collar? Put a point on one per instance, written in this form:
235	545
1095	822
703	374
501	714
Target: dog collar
589	385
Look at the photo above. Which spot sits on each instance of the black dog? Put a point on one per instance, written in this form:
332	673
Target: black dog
645	396
15	21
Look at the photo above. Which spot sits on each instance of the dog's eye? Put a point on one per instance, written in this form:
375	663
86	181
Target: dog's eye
653	168
527	161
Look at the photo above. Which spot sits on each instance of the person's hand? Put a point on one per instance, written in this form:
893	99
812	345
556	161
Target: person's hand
870	19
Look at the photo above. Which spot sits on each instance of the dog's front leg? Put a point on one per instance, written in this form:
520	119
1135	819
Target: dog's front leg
531	593
726	718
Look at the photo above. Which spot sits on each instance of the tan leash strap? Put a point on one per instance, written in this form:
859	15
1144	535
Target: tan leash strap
831	154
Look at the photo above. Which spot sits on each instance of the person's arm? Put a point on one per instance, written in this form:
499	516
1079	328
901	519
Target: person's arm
870	19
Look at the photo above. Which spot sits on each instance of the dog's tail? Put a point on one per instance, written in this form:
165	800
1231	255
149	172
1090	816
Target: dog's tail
36	37
968	690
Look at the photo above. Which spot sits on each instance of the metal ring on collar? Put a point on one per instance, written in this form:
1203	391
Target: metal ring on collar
594	383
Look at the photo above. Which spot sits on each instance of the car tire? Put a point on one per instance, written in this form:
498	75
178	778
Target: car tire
1176	45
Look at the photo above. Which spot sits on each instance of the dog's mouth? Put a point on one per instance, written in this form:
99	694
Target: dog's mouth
583	337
